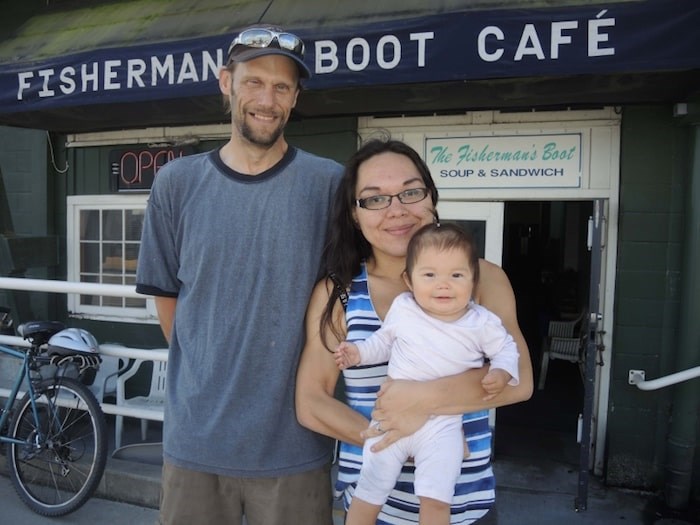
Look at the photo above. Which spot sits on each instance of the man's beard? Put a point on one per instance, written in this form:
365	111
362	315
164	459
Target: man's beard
265	140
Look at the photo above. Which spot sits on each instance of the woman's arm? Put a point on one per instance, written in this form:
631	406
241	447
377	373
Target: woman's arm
403	406
317	376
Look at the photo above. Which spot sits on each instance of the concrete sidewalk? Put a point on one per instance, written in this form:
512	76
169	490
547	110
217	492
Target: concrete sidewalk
527	495
529	492
95	512
532	496
543	494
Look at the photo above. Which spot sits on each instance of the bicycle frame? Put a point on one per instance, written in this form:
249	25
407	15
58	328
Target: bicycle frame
23	374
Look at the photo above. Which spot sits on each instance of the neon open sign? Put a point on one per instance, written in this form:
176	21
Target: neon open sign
134	169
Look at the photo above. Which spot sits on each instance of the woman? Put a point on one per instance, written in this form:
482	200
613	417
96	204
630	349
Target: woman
376	212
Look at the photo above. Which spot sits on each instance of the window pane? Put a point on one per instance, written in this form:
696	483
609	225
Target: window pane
112	301
112	225
89	299
92	300
133	302
478	230
131	256
89	225
89	257
112	258
133	224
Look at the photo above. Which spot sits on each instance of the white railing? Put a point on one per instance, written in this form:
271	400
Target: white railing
637	378
44	285
113	350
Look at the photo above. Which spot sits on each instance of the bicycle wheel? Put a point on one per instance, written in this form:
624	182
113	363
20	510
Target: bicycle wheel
64	450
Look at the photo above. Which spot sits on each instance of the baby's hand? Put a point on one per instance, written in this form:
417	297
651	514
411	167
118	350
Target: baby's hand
494	382
347	355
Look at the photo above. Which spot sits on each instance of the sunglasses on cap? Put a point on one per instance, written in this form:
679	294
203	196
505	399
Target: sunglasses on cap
262	38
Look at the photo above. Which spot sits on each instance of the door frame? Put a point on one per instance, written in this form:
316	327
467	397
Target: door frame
600	179
595	246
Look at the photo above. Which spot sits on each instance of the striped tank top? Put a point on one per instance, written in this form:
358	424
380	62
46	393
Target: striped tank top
475	490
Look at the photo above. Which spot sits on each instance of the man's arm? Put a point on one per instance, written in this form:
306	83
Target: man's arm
165	306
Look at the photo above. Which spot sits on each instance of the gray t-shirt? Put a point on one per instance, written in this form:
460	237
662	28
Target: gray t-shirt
241	254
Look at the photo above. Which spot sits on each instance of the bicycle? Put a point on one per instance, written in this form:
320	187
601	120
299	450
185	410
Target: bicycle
56	434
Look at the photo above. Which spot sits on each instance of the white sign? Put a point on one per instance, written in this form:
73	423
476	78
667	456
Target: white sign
506	161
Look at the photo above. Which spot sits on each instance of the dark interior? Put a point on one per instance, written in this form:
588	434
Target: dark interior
546	259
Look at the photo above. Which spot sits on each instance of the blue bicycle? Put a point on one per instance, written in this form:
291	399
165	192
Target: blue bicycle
55	434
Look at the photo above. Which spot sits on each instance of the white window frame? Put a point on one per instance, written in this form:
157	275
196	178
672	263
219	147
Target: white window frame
76	204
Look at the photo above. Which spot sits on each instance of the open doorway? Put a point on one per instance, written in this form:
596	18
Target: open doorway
546	258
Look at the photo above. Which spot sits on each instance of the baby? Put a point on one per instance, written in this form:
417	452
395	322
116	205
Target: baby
433	331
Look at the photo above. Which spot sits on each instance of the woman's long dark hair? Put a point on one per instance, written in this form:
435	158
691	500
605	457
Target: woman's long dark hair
346	247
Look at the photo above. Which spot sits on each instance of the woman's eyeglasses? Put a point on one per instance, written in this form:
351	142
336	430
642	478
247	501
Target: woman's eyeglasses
379	202
262	38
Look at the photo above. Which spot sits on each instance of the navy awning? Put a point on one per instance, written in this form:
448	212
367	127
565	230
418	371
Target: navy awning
142	63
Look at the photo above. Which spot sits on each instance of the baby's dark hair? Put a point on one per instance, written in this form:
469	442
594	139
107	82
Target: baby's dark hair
443	237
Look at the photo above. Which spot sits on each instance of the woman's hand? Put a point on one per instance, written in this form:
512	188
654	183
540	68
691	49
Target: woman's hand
402	407
398	412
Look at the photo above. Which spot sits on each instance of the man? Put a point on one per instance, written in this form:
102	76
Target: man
231	249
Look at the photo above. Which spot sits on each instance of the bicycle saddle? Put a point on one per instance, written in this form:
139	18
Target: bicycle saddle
39	332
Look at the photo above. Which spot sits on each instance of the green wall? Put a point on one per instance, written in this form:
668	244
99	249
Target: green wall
654	162
27	178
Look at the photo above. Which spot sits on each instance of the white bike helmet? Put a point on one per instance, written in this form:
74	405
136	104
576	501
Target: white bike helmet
73	341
